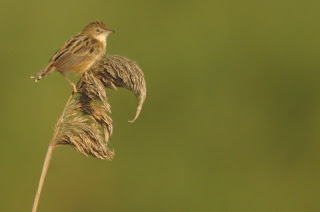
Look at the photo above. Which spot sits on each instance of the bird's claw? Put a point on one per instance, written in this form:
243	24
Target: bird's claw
74	88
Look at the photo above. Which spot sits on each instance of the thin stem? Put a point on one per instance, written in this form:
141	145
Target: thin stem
43	176
48	158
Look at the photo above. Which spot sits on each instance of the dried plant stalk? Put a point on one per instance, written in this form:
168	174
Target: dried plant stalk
84	123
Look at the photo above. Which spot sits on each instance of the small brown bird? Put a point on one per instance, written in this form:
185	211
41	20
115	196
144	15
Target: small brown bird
79	53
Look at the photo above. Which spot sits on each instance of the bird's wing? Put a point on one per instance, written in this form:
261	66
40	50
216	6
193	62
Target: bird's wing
74	51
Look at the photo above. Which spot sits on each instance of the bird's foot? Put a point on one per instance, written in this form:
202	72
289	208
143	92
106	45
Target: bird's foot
74	88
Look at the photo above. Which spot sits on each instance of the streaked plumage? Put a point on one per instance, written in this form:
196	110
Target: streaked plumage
79	53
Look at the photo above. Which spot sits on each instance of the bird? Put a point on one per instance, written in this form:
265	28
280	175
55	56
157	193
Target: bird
79	53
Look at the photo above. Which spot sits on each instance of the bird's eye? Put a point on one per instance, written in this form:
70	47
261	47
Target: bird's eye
98	30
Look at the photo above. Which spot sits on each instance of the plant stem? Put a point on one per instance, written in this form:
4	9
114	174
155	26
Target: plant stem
48	158
43	176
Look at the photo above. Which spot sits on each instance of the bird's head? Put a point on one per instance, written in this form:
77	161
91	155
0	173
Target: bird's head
97	30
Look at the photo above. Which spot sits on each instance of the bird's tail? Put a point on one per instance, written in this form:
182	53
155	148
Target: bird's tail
41	74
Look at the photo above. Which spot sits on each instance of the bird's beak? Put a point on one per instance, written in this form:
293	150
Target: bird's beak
110	31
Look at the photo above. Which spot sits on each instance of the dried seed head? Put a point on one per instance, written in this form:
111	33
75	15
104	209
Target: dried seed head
85	119
117	71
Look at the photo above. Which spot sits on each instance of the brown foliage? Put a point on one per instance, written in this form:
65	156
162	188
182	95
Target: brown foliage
85	119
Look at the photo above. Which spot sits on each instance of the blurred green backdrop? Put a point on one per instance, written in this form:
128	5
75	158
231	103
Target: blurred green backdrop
231	120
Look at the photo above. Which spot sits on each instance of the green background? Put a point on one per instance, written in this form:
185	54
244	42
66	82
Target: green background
231	120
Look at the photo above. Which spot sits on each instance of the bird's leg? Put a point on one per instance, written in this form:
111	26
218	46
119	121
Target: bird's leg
71	83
